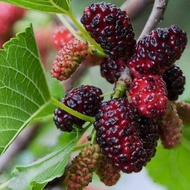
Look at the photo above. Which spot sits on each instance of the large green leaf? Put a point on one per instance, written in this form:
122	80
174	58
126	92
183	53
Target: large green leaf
57	92
38	174
23	88
55	6
171	167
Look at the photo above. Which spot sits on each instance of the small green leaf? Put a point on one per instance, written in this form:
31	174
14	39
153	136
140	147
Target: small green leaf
38	174
171	167
54	6
23	88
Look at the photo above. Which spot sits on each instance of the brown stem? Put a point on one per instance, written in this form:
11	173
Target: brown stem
155	17
123	83
134	7
20	143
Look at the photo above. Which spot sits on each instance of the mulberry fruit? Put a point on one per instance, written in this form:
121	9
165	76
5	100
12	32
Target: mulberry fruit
111	28
148	94
107	172
80	172
118	136
68	59
43	43
111	69
84	99
149	133
183	109
60	36
157	51
171	127
10	13
175	81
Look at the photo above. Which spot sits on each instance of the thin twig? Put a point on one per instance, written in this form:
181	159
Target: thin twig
155	17
19	144
134	7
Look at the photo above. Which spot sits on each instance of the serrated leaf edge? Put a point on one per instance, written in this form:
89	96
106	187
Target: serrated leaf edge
5	46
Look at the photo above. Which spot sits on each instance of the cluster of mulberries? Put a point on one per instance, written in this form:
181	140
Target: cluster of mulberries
9	14
128	127
154	54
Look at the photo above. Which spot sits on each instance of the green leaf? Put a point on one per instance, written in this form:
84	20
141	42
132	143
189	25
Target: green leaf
38	174
171	167
53	6
56	90
23	88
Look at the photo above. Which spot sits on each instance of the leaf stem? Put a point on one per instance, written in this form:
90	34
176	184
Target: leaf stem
4	185
71	111
79	147
93	139
123	83
119	91
86	34
155	17
107	94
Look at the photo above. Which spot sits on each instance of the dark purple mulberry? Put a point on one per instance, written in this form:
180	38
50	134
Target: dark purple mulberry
84	99
111	28
157	51
118	136
111	69
149	134
175	82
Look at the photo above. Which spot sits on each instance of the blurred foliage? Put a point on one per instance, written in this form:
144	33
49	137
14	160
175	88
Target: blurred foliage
171	167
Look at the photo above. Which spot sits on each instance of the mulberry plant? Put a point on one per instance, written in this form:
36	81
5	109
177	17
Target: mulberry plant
91	131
